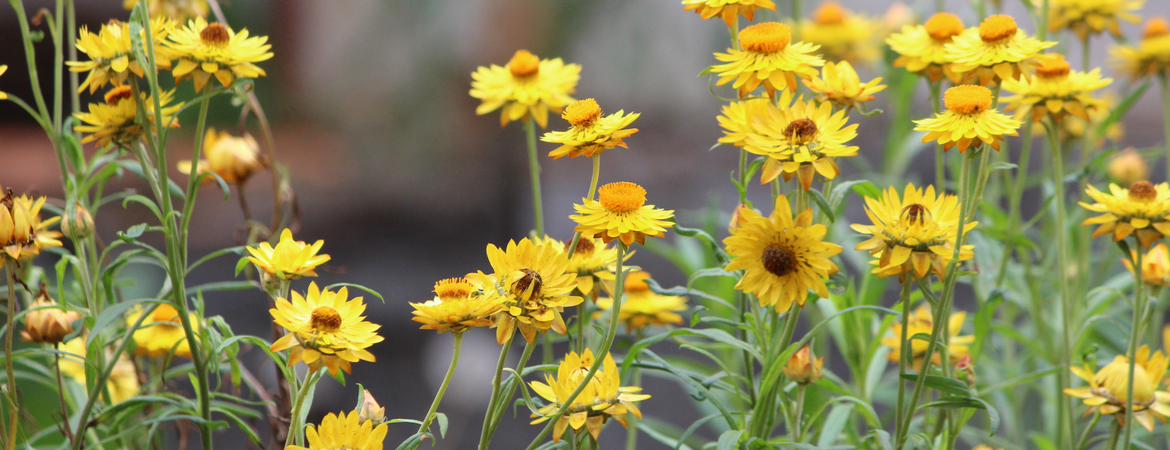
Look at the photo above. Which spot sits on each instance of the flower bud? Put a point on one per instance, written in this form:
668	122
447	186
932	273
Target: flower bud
49	325
77	223
370	410
802	369
737	217
1128	167
965	368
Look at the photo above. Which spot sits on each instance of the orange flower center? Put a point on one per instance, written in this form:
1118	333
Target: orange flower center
967	99
582	112
165	313
779	260
636	282
914	213
585	247
997	28
118	94
767	37
325	319
829	13
1157	26
453	289
215	34
622	197
1142	191
1052	67
524	64
944	26
529	278
800	131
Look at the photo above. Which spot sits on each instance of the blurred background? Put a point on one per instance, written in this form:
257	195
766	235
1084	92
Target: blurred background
406	185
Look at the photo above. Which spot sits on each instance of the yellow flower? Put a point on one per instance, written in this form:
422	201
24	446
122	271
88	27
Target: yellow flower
22	233
1155	265
290	259
51	323
590	133
232	158
641	307
202	50
1140	210
115	120
371	410
922	48
840	85
842	35
996	50
1054	91
123	382
914	234
162	331
801	139
593	261
1108	388
109	50
802	369
1085	17
769	58
344	431
174	9
969	120
621	212
3	95
1128	167
727	9
533	280
527	87
459	305
737	118
325	328
921	322
986	447
602	398
1151	56
783	257
1074	127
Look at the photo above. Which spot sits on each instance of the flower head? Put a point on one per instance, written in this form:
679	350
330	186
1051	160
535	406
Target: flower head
922	48
736	118
1128	167
1142	210
527	87
841	34
289	259
594	262
1054	91
115	121
232	158
840	85
604	397
3	68
344	431
621	212
921	322
1155	265
535	285
913	234
47	322
459	304
325	328
590	133
1089	17
642	307
769	58
370	409
162	331
1151	56
727	9
1074	127
174	9
800	139
1109	387
77	222
22	233
802	368
123	382
784	257
969	120
994	51
111	58
203	50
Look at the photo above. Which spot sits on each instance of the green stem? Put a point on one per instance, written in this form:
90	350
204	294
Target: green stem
903	356
1112	444
798	413
443	387
632	421
13	401
1017	196
743	181
581	323
534	172
1064	411
484	436
296	429
940	162
511	390
1088	431
1135	333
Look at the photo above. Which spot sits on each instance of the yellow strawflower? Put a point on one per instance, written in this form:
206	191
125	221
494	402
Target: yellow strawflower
642	307
1091	17
1075	127
800	140
232	158
969	121
1139	210
50	324
203	50
22	233
162	331
996	50
922	48
841	34
727	9
535	286
840	85
783	257
1108	388
459	305
325	328
1128	167
114	122
590	133
593	261
1151	56
174	9
1155	265
802	369
604	397
527	87
344	431
1054	91
913	234
290	259
737	118
123	382
111	57
621	212
921	322
767	57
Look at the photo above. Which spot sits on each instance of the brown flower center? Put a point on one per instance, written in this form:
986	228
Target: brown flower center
915	213
530	278
1142	191
1053	66
582	112
215	34
1157	26
767	37
118	94
524	64
622	197
829	13
325	319
585	247
779	260
997	28
967	99
800	131
943	26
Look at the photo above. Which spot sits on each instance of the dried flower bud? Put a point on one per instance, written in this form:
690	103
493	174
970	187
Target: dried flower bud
77	223
49	325
370	410
802	369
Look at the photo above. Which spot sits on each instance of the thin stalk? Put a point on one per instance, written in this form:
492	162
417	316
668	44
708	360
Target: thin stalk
1112	444
797	413
898	407
1064	412
443	387
511	390
940	162
743	181
635	380
296	428
61	393
484	436
1135	333
58	65
71	42
581	319
1088	431
534	172
1017	196
13	402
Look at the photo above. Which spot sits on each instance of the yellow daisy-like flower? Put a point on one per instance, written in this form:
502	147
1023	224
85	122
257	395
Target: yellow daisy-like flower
459	305
727	9
232	158
1108	388
123	382
994	51
203	49
769	58
115	120
969	120
921	322
325	328
1155	265
840	85
162	331
1074	127
642	307
736	119
784	256
842	35
527	87
1142	210
621	212
1085	17
535	285
915	234
922	48
590	132
3	95
174	9
22	232
801	140
109	50
1128	167
1151	56
290	259
604	397
1054	91
593	261
344	431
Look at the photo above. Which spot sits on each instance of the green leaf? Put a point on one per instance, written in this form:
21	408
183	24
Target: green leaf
866	189
1002	165
112	314
729	440
823	203
131	234
834	424
442	419
941	384
241	264
837	196
967	402
1119	111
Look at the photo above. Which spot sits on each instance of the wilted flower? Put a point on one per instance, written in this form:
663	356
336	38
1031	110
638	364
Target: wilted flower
49	324
22	233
